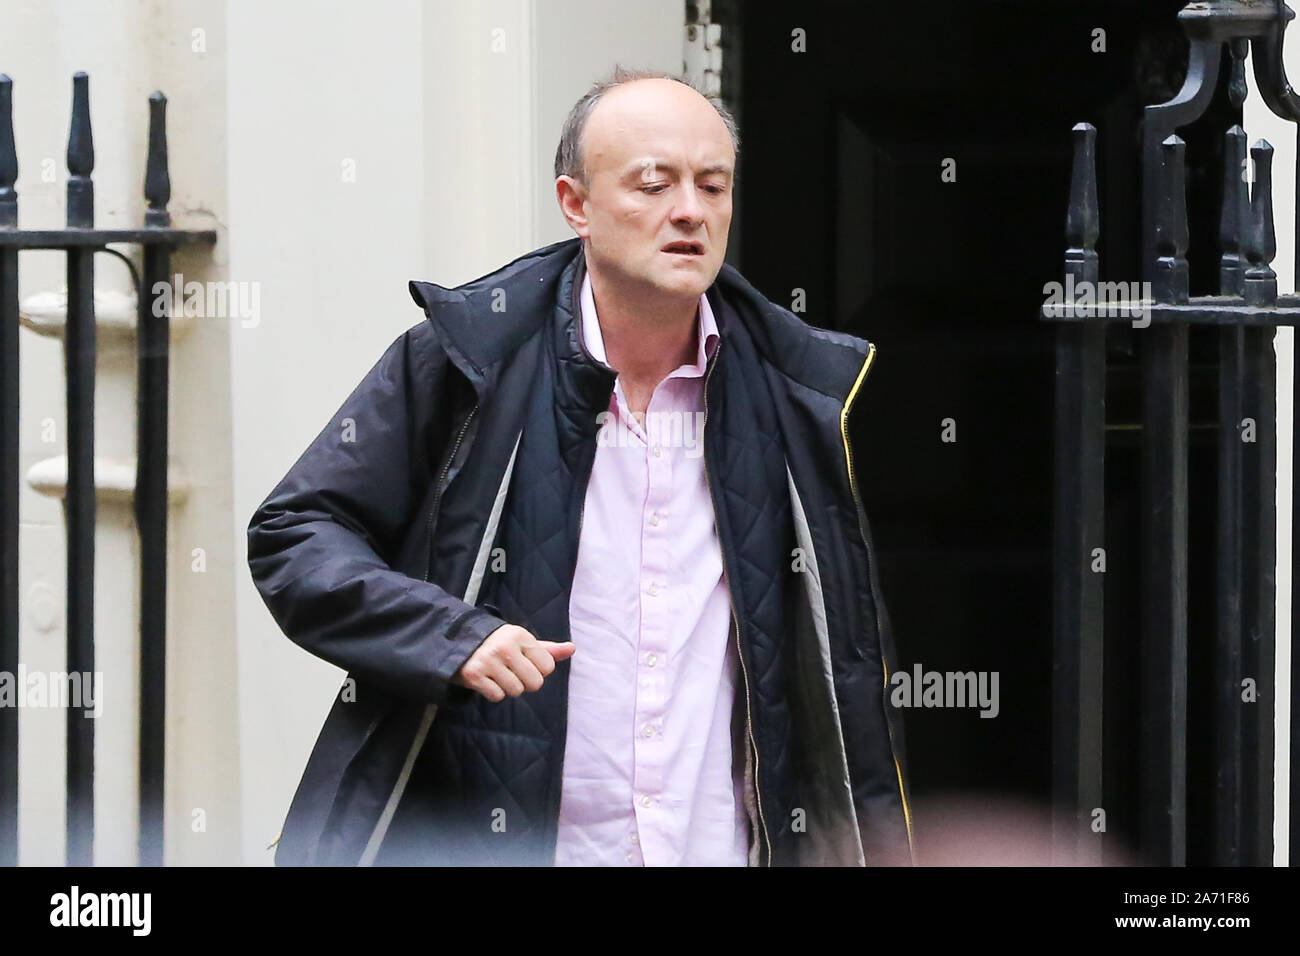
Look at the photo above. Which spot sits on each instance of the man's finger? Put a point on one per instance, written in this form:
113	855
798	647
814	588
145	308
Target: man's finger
488	688
543	661
527	672
506	679
559	650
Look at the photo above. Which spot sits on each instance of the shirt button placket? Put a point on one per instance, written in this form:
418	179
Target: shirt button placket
648	746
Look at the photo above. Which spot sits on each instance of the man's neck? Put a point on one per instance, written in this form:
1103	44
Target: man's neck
644	338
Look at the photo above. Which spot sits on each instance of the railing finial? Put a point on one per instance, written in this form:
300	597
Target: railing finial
8	155
1082	221
81	156
1235	218
1237	87
1261	280
1172	283
157	182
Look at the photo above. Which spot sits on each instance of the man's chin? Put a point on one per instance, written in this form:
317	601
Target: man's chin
686	282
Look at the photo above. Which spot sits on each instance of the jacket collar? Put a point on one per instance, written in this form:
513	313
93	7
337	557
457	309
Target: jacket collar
484	321
585	384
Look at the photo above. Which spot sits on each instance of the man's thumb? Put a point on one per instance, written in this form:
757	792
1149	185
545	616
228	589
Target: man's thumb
560	650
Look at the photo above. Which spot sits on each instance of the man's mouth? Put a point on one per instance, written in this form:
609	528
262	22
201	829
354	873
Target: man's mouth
685	248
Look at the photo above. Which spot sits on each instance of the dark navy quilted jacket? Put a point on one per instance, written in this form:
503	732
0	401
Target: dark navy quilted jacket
444	499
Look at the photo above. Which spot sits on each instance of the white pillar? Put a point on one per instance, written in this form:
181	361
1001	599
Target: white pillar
326	127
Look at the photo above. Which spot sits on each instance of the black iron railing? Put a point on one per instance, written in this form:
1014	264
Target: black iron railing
80	241
1247	310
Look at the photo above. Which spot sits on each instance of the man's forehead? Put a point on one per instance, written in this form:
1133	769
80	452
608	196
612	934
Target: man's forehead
665	122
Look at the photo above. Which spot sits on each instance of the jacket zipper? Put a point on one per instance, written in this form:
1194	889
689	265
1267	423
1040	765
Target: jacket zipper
740	653
862	529
437	498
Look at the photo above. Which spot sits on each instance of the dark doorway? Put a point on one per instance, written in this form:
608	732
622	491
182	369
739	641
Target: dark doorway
841	195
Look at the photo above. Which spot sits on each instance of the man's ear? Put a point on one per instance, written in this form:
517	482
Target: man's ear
571	195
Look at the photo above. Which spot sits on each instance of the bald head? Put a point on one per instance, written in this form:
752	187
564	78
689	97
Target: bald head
643	121
656	91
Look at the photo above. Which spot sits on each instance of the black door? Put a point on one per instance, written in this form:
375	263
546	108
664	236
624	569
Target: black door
904	177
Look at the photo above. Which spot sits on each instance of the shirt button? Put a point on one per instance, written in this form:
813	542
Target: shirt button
651	660
648	731
658	451
645	801
634	838
654	520
653	589
631	856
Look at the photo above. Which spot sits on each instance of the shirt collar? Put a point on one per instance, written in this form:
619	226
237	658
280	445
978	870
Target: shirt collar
706	338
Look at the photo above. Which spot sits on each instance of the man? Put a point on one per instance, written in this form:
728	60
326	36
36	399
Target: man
594	557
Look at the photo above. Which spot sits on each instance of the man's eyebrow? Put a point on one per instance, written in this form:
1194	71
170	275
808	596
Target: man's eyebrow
638	169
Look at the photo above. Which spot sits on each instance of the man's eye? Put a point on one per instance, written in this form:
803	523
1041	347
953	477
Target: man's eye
654	189
715	189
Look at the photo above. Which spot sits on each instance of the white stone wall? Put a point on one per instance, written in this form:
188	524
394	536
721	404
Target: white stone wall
339	150
129	49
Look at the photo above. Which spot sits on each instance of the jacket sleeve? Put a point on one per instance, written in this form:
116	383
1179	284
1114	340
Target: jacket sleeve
319	545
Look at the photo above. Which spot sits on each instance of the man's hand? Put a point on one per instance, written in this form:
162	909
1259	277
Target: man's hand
510	661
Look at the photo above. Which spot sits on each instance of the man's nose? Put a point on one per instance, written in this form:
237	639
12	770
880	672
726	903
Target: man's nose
688	209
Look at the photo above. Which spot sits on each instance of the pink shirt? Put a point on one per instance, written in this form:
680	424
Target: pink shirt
648	775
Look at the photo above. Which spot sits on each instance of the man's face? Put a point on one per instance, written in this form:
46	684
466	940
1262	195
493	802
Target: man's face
656	208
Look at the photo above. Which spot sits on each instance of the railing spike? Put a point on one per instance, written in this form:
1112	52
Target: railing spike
1261	280
81	156
157	182
1235	219
1171	222
1082	221
8	155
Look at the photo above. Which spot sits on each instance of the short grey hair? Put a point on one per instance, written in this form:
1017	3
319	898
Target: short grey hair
569	160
